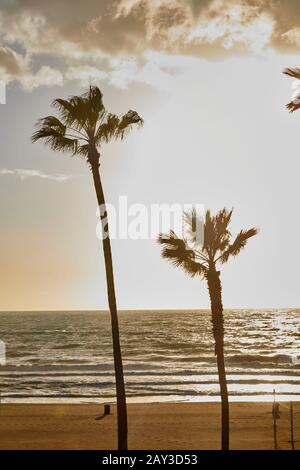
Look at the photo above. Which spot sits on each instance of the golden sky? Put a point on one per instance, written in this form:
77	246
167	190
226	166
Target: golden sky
206	77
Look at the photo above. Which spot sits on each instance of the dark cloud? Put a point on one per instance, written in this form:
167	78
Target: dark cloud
129	26
93	31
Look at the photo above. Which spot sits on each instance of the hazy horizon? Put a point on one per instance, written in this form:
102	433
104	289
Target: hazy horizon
155	310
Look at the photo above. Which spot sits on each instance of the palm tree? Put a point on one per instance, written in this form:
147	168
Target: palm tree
294	104
82	126
200	258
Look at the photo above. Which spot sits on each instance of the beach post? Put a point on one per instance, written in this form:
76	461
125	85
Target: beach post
292	425
106	408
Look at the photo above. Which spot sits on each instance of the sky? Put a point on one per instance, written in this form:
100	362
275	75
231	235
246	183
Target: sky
206	76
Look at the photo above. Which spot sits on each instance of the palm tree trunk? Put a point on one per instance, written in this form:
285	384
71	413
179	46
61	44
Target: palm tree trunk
215	293
119	375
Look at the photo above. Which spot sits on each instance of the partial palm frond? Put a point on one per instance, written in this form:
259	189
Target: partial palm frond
238	244
53	132
292	72
117	127
83	150
95	99
216	232
126	123
292	106
74	112
221	221
55	140
194	228
90	108
177	252
52	121
108	129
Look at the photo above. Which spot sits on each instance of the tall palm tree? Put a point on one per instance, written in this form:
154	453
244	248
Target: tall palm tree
294	104
200	257
82	126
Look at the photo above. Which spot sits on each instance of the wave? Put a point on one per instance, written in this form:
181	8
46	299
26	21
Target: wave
67	346
171	393
107	370
259	359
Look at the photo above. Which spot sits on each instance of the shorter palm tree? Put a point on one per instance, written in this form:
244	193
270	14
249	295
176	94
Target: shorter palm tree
200	257
294	104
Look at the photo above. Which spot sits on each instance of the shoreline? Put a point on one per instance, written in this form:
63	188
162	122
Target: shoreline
151	400
151	426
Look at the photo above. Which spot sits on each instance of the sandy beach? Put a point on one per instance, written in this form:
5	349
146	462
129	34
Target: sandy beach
151	426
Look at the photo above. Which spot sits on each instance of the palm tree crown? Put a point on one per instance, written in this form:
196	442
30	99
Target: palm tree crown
83	125
196	257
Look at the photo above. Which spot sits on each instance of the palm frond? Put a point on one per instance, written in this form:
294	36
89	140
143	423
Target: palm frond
55	139
108	129
53	132
177	252
117	127
292	72
83	150
216	232
126	123
194	227
292	106
221	221
88	108
238	244
82	112
94	97
52	121
74	112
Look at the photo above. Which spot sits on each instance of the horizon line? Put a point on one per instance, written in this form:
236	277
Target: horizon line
142	309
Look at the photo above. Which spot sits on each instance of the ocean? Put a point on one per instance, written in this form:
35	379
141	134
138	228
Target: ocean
57	357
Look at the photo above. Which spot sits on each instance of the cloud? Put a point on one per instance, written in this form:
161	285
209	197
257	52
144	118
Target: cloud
292	36
10	61
12	64
15	67
212	28
85	74
232	25
5	171
128	70
49	43
24	174
46	76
